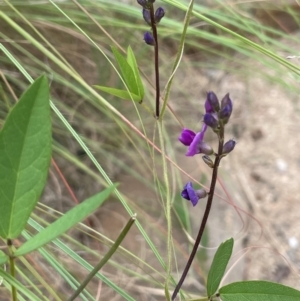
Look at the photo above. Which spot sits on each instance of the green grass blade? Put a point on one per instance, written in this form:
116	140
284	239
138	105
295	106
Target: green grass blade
64	223
19	286
218	266
25	152
120	93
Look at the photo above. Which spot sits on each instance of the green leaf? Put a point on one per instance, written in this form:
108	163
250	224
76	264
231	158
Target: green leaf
258	291
25	153
218	266
132	62
64	223
120	93
19	286
3	257
126	71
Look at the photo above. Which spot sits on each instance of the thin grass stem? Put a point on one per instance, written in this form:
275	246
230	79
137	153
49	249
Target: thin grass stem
105	259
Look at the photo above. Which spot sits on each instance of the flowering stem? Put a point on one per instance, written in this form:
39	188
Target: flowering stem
206	212
154	31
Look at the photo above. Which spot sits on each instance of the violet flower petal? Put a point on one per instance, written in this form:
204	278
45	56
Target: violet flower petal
187	136
190	194
149	39
194	146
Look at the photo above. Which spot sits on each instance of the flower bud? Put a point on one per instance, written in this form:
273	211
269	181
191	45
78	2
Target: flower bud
226	108
160	12
190	194
213	101
211	120
228	147
204	148
145	3
149	39
208	161
146	16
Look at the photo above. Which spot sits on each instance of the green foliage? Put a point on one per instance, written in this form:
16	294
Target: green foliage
130	76
21	288
64	223
218	266
217	42
25	152
3	257
258	290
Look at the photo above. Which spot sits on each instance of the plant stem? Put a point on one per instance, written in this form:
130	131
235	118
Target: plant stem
154	31
12	268
206	213
104	260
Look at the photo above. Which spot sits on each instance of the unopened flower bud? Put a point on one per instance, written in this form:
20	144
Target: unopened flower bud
204	148
190	194
226	108
208	161
149	39
160	12
146	16
228	147
145	3
213	101
211	120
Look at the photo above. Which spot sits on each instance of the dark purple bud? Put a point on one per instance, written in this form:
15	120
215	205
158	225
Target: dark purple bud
208	107
187	136
190	194
211	120
146	16
228	147
143	3
226	108
208	161
160	12
213	101
148	37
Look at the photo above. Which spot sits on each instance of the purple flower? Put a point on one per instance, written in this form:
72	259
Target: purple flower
190	194
226	108
148	37
195	142
146	16
228	147
187	136
211	119
143	3
212	103
160	12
